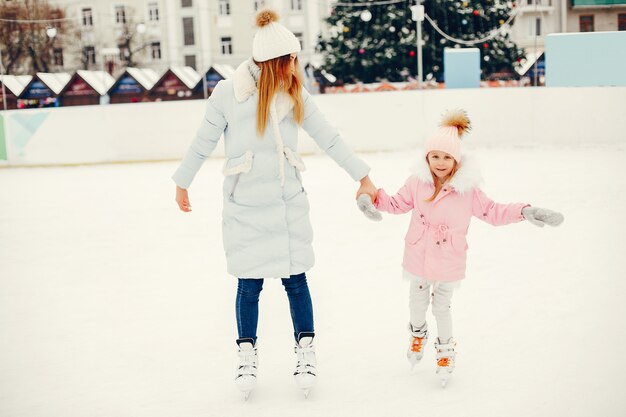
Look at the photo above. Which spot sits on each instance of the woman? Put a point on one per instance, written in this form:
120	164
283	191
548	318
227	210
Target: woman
266	227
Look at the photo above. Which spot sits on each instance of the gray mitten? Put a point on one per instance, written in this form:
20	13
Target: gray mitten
540	216
364	202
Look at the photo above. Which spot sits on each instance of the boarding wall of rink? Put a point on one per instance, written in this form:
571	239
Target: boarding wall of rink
376	121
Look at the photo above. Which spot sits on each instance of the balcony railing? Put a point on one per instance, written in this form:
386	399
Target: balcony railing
591	3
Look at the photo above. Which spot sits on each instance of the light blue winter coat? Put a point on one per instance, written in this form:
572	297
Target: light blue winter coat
266	228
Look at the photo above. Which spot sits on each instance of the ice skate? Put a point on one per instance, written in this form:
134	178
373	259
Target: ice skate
445	360
305	368
417	340
248	361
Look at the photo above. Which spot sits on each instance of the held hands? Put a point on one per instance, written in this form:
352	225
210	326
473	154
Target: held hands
540	216
364	202
365	196
182	199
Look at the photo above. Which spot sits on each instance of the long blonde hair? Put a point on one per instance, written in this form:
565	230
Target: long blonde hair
276	76
437	182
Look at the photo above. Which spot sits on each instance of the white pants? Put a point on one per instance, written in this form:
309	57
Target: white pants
419	298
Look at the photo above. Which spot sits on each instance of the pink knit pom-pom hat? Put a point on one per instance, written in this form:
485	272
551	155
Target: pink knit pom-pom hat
447	138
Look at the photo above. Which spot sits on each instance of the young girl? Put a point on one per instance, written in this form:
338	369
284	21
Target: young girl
444	195
266	227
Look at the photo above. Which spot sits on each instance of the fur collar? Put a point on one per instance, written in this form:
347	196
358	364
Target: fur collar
244	84
467	177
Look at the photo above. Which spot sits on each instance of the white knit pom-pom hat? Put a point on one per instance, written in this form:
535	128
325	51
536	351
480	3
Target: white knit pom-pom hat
272	39
447	138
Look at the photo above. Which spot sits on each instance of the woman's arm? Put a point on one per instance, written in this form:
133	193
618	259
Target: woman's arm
211	128
328	139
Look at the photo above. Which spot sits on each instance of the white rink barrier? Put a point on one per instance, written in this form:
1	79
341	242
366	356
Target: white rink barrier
367	121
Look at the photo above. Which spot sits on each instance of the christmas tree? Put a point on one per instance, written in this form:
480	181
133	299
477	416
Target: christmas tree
379	42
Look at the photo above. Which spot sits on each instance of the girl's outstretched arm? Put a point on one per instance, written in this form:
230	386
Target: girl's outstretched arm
399	203
497	214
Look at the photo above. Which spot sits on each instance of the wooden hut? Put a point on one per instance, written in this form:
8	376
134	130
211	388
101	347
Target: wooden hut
13	87
133	85
43	90
177	83
86	88
213	75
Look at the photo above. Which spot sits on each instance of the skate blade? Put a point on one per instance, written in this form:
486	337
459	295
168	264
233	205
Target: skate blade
413	362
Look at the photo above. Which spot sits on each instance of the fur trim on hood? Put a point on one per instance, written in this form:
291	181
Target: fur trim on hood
466	178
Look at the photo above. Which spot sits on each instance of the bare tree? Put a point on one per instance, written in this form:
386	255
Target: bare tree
26	46
129	40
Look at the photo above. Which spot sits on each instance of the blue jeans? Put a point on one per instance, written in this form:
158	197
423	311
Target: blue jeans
247	305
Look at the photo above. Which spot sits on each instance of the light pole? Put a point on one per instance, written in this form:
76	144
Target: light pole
418	15
4	94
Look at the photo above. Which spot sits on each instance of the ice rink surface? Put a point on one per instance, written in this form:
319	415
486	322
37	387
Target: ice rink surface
115	304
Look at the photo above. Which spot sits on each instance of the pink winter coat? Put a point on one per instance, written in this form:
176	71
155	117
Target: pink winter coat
435	246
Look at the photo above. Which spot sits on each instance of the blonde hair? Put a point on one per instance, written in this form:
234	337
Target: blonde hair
276	76
439	184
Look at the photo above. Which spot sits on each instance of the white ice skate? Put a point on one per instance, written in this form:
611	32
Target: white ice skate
445	360
248	362
417	340
305	368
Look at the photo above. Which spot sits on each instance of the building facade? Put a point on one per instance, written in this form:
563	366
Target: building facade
157	34
596	15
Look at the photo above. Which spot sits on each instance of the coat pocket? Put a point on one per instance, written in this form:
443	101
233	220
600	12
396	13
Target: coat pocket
238	165
235	167
458	243
296	162
294	159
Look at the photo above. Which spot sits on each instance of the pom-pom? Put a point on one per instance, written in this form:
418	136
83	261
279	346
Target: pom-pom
457	118
265	17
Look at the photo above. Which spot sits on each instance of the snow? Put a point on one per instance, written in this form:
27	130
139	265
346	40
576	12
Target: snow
114	303
224	70
15	83
55	81
147	77
101	81
187	75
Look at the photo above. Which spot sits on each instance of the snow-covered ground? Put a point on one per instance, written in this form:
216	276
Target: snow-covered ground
114	303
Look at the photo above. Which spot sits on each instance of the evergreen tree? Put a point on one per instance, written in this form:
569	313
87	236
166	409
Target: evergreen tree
385	47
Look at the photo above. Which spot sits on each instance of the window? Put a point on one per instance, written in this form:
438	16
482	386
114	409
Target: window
56	14
299	38
621	21
227	45
190	61
124	53
539	2
586	23
296	4
89	55
155	48
11	25
57	56
153	11
188	36
538	26
534	27
186	3
259	4
120	14
224	7
87	17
